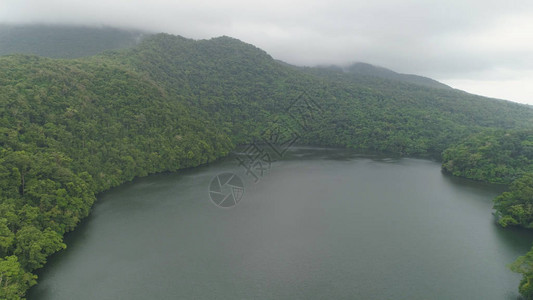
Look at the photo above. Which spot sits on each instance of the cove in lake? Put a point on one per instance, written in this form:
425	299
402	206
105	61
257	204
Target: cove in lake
324	224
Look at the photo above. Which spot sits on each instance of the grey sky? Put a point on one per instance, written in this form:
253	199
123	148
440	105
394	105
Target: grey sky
481	46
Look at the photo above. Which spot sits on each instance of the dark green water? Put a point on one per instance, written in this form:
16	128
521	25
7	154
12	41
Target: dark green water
324	224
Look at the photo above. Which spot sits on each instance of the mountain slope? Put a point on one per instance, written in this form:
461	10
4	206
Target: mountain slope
387	115
364	69
366	72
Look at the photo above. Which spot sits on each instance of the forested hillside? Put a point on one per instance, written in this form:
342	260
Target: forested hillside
367	73
230	78
502	157
492	156
72	128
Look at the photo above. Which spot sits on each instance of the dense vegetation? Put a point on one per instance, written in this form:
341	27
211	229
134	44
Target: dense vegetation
502	157
367	73
492	156
72	128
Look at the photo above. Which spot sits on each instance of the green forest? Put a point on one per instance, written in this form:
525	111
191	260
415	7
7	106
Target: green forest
72	128
506	157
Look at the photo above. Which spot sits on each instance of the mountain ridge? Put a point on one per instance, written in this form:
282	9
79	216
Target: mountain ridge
54	40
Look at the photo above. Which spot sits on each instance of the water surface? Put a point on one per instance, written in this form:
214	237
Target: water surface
323	224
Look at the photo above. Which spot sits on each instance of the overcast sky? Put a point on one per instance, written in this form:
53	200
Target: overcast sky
481	46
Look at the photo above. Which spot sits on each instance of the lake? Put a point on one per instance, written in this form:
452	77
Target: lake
320	224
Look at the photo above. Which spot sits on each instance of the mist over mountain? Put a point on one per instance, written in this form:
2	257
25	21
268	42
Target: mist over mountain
365	69
63	41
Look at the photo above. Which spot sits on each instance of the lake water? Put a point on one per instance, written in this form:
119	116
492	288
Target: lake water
323	224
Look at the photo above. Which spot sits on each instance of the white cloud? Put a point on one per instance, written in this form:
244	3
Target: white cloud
464	43
517	89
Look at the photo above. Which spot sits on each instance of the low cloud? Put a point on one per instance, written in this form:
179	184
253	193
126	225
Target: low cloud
476	45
